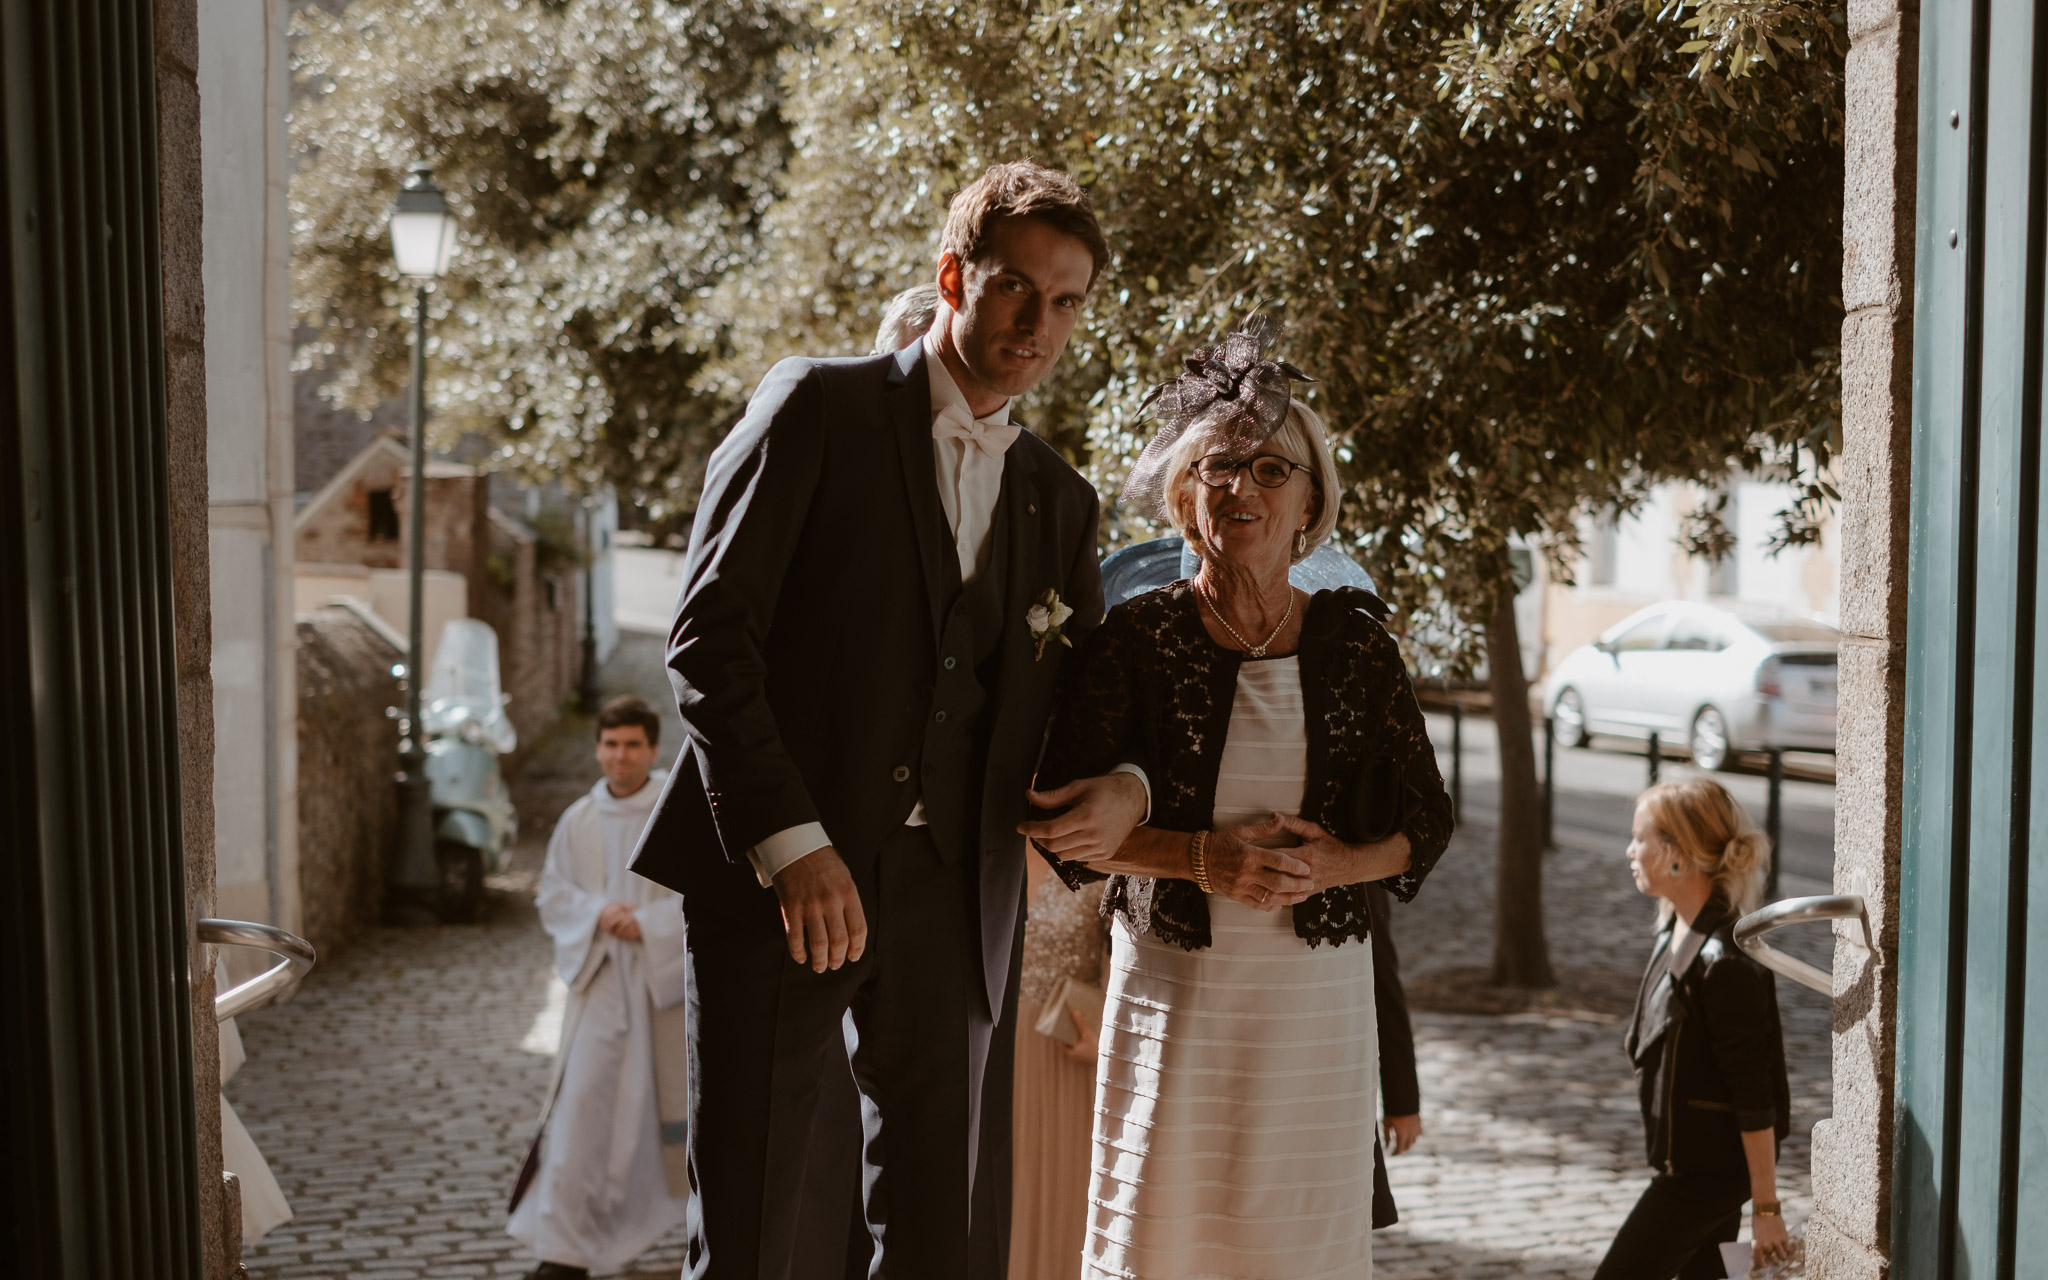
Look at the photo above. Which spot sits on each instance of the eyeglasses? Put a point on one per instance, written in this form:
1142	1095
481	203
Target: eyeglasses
1269	470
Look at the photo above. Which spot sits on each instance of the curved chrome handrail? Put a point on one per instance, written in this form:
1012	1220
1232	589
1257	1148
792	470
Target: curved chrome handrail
1750	931
296	954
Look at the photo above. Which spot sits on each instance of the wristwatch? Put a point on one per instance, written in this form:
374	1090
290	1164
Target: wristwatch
1765	1209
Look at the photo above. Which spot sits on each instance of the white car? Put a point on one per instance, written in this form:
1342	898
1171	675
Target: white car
1719	680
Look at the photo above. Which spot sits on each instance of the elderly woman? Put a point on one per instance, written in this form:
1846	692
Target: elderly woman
1289	769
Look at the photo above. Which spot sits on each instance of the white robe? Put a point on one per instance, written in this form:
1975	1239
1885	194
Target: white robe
263	1202
611	1178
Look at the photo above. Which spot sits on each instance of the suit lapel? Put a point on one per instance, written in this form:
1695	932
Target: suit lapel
1023	507
908	403
1021	504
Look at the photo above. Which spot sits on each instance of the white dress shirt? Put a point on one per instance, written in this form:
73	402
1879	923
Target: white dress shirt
970	479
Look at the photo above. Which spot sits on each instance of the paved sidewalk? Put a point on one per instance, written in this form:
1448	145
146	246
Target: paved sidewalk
1532	1151
396	1094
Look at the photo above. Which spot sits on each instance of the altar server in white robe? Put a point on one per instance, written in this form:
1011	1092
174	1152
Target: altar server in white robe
607	1174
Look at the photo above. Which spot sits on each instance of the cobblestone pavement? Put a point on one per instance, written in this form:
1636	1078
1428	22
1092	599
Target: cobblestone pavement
396	1094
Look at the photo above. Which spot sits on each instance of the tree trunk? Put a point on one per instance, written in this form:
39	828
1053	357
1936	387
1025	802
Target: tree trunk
1521	956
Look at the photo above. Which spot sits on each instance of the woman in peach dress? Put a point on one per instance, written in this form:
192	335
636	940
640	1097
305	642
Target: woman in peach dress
1065	936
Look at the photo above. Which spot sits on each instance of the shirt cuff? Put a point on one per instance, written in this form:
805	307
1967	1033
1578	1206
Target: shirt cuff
1144	782
784	847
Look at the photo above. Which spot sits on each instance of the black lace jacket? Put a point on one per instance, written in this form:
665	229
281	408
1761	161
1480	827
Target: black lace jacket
1150	688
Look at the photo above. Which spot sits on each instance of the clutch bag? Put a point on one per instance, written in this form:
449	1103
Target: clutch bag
1083	998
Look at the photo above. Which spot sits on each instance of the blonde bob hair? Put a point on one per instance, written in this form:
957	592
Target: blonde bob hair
1710	830
1301	437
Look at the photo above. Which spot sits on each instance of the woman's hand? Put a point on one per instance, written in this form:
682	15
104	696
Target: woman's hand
1244	871
1335	863
1400	1133
1770	1241
1084	1048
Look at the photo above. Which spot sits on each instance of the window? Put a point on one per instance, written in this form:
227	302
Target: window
1797	632
383	516
1645	635
1700	635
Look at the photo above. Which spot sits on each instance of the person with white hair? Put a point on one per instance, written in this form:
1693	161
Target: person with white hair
907	317
1290	769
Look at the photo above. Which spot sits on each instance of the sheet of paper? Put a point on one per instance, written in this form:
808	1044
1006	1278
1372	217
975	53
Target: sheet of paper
1735	1259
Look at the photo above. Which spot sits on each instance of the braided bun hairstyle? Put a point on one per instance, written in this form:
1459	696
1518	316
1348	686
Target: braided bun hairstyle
1710	830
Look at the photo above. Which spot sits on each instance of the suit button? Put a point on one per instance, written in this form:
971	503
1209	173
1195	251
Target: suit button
901	773
939	716
951	662
928	767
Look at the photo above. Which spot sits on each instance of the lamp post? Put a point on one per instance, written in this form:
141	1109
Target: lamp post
588	695
422	241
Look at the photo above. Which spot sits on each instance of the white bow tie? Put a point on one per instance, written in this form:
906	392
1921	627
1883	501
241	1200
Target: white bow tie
992	438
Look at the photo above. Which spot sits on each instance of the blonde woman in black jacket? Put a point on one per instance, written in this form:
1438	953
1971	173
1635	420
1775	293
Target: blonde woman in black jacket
1708	1049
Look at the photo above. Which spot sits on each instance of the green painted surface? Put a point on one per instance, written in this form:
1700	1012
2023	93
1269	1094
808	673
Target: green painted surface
1936	735
1971	1159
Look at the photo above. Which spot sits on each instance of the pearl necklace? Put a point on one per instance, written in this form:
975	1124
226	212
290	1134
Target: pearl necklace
1251	650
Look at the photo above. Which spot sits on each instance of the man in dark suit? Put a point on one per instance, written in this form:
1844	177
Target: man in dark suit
881	585
1400	1090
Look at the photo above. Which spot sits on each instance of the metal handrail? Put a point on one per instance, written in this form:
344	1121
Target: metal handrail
1750	931
296	961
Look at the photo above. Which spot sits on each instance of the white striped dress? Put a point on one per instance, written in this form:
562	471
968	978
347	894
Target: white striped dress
1235	1106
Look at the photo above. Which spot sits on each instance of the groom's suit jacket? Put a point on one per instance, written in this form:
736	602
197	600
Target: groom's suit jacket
806	652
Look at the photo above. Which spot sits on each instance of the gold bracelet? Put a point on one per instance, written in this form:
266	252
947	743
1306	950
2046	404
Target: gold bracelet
1764	1209
1198	860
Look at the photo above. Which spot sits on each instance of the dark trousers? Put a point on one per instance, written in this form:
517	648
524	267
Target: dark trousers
1677	1228
768	1047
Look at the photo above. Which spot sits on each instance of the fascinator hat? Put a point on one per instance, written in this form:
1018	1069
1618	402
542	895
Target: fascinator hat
1232	391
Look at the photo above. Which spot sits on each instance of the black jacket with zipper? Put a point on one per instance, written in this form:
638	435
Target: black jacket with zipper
1708	1049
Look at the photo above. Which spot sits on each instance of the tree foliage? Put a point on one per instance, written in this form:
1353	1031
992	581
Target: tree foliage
1541	256
609	162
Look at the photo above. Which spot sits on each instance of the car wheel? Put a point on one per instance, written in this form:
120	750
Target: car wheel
1710	740
462	882
1568	715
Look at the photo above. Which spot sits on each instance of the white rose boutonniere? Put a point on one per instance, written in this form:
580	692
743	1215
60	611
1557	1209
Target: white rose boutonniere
1045	618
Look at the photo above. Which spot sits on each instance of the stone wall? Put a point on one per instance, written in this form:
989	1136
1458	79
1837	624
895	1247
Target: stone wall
1849	1235
348	756
180	200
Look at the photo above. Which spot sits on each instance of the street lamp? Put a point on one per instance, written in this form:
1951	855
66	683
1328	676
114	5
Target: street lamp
588	696
422	242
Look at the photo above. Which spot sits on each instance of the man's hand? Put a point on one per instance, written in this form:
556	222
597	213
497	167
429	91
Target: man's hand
618	920
1105	812
1400	1133
821	914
